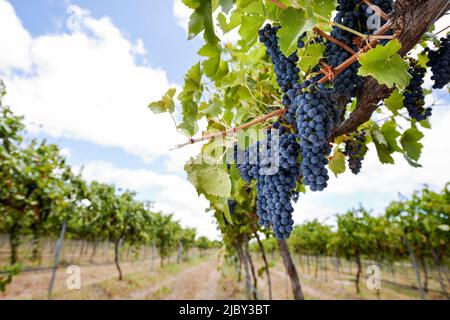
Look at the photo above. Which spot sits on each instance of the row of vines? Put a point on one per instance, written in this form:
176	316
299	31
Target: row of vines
41	198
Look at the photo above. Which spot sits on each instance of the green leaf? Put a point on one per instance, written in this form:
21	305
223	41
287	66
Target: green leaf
294	23
311	56
410	143
227	212
423	59
395	102
226	5
202	20
382	146
189	106
192	4
166	104
249	29
390	133
384	154
235	21
425	123
196	24
324	8
337	162
385	65
209	179
211	109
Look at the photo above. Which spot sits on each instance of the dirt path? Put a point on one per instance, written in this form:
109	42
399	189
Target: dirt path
35	285
196	282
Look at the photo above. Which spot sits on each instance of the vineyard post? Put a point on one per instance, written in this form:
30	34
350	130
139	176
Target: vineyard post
58	249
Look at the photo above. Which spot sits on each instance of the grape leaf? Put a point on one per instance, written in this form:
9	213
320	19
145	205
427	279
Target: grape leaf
249	29
390	133
192	4
311	56
202	20
294	23
209	179
164	105
385	65
384	154
395	102
337	162
423	59
410	143
189	107
211	109
226	5
235	20
322	7
226	212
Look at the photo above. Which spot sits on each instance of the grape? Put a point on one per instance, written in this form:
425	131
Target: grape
440	63
285	67
413	97
355	150
316	116
276	172
352	14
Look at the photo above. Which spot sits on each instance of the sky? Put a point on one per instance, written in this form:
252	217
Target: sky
83	72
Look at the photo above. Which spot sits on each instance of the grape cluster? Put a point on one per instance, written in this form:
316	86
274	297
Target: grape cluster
440	63
413	97
347	82
316	116
355	150
352	14
285	67
273	164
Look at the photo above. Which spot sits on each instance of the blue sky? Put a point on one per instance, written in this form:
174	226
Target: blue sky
86	89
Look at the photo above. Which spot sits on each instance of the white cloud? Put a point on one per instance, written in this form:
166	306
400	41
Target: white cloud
86	84
181	13
15	40
171	193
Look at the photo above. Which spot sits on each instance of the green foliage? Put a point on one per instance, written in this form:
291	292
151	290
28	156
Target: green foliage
295	23
10	272
166	104
385	65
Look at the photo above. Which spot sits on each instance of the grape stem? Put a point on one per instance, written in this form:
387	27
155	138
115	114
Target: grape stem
336	41
355	57
232	131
